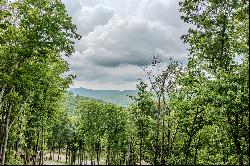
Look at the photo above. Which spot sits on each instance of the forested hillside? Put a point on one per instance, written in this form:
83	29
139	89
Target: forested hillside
114	96
180	115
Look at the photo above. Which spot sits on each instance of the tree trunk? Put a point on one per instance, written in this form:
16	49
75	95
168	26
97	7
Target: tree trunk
18	138
6	134
58	158
2	132
157	132
53	149
97	157
37	141
80	153
39	161
108	155
162	139
1	95
34	160
27	155
50	155
78	156
195	156
67	154
86	158
107	159
91	159
42	145
1	136
16	149
140	154
6	127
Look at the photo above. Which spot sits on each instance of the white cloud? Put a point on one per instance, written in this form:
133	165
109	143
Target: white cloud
88	18
164	11
128	40
119	36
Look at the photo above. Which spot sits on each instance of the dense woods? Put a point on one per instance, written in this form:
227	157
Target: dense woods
194	114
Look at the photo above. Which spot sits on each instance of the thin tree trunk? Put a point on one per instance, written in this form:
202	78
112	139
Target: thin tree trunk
6	134
1	135
1	95
140	149
157	133
40	157
78	157
86	160
108	154
156	145
107	159
97	157
42	145
34	155
50	155
162	139
18	138
84	156
2	92
91	159
80	153
58	157
37	141
16	149
195	156
53	149
27	156
24	159
34	160
67	154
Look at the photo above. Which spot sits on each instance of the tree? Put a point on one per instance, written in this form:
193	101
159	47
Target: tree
34	34
141	113
219	37
162	85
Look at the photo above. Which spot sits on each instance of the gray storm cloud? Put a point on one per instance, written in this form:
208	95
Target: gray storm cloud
120	35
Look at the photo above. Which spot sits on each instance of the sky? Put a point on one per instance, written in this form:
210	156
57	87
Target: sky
120	35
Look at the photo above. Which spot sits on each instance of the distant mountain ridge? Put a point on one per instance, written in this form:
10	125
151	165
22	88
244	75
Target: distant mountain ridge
114	96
